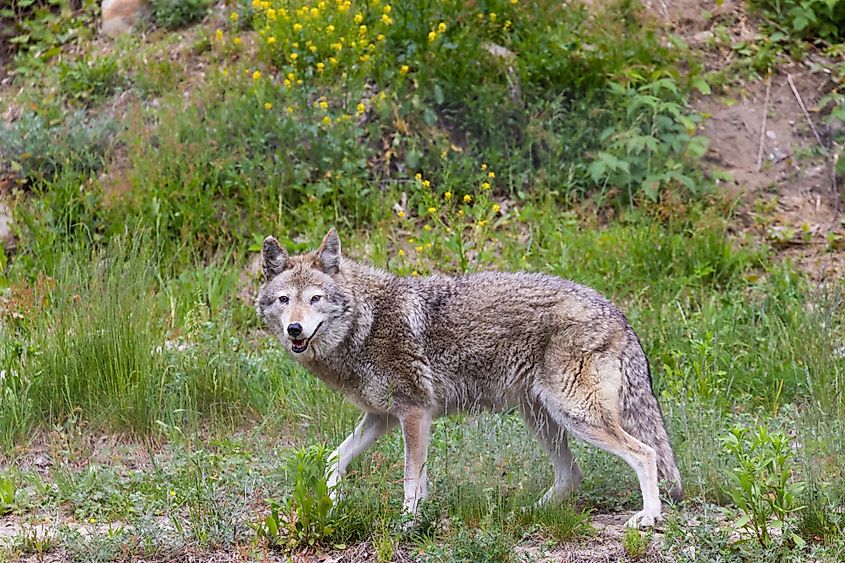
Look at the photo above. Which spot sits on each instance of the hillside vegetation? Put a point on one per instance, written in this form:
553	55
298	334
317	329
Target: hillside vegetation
145	415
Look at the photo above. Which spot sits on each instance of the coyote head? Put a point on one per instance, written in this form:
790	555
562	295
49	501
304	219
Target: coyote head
302	301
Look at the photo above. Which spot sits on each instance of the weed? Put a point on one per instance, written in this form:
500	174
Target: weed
763	487
636	542
173	14
305	518
92	79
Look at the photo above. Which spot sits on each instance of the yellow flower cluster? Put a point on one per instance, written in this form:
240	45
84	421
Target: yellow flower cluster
307	39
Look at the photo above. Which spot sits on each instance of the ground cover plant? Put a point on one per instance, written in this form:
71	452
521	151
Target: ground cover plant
144	414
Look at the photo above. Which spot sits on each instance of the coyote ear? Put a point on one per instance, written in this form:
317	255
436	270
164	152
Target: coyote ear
328	255
274	259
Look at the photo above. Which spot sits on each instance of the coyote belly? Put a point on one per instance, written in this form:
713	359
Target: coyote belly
406	350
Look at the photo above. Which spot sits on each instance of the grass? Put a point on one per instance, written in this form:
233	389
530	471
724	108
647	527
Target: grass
130	354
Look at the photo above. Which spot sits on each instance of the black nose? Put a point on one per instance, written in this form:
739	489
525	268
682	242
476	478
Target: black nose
294	329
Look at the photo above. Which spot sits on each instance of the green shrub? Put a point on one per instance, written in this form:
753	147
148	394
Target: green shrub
92	79
806	19
34	149
173	14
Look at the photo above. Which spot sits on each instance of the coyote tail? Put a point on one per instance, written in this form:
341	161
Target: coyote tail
642	418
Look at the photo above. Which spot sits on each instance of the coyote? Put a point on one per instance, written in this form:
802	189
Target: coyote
408	349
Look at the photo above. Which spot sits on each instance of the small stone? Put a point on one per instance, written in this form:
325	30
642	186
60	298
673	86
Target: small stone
5	224
771	135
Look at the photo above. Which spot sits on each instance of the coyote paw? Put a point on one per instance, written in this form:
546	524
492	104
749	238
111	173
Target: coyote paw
643	519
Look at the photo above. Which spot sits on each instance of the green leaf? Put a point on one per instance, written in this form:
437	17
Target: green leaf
438	94
701	85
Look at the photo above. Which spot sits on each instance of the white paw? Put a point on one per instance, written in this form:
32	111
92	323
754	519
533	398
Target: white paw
643	519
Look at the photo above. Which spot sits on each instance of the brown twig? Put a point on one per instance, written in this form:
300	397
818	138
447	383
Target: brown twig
806	113
765	118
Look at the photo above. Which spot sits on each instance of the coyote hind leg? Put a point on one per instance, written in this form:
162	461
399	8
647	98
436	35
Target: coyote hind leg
555	441
600	426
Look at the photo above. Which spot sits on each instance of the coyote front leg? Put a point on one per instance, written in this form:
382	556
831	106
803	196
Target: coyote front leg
369	430
416	426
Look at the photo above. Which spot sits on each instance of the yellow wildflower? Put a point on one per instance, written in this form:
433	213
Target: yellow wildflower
485	185
448	196
327	120
236	40
496	208
426	183
415	274
219	34
173	493
467	198
324	105
295	44
418	176
291	76
294	56
404	69
365	57
329	29
359	17
441	27
290	109
484	166
432	36
491	174
313	48
482	222
508	24
321	67
268	106
297	27
271	40
432	210
271	14
360	108
315	12
287	83
379	37
233	16
514	2
386	8
362	30
256	75
492	16
427	227
386	20
401	214
401	252
419	248
460	212
333	61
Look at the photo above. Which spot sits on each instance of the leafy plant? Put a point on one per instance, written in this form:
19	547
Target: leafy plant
90	79
805	19
763	488
305	518
39	28
7	495
173	14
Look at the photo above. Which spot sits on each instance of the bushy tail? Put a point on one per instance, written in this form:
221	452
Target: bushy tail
642	418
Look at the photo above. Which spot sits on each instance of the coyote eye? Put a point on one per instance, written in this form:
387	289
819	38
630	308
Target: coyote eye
316	299
284	299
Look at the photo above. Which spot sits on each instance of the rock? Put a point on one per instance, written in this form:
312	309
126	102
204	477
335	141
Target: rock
120	16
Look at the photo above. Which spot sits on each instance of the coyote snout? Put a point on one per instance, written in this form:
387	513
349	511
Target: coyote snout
406	350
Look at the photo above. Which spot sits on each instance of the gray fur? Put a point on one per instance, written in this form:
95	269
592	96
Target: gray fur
407	349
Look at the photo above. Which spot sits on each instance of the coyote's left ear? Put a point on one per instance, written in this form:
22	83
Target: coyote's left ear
328	255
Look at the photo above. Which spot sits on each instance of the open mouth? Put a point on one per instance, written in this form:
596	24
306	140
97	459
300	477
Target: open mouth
299	345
